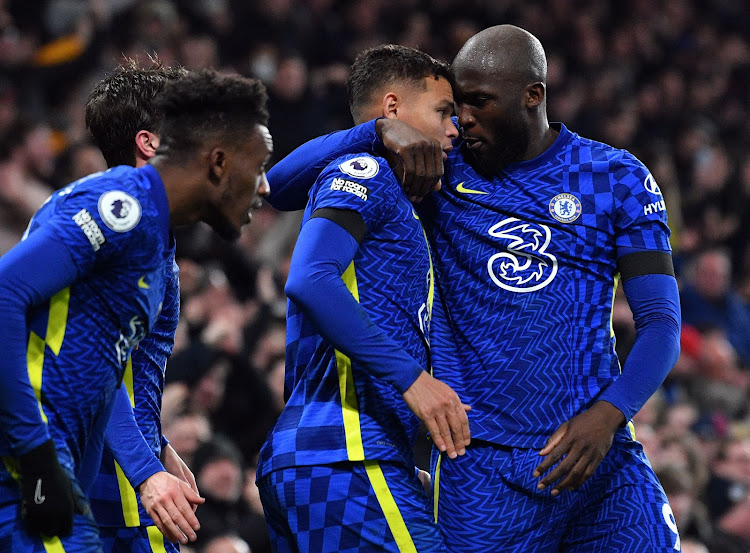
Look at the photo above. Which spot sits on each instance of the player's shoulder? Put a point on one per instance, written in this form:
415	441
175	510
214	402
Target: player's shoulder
623	167
121	198
601	151
361	174
120	184
360	166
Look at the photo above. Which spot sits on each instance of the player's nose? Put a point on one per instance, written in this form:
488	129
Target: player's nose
264	189
465	116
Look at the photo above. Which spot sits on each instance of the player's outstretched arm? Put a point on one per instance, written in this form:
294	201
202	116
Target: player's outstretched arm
416	159
441	410
291	178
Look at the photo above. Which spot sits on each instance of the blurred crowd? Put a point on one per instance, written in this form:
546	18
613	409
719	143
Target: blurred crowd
668	80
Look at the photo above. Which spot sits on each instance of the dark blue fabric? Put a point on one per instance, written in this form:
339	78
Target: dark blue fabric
324	250
30	274
655	302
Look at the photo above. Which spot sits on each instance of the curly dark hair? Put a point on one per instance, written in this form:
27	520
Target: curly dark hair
387	64
123	104
207	104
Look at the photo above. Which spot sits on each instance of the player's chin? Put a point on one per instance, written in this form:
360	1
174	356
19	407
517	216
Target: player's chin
227	230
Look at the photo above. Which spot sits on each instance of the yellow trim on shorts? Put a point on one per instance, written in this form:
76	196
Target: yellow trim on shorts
156	539
52	544
349	404
436	487
390	509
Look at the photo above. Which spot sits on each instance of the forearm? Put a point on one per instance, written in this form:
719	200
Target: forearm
654	300
315	285
127	444
291	178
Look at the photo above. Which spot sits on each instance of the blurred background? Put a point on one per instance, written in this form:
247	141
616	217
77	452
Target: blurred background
667	80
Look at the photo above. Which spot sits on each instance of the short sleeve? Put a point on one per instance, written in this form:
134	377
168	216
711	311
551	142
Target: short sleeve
641	215
95	225
362	183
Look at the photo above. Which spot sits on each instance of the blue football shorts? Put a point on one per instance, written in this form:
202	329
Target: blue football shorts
349	507
487	500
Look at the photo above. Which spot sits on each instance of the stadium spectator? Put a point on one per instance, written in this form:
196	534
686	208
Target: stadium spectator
708	300
219	472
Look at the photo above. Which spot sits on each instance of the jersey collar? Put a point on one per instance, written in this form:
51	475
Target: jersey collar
560	142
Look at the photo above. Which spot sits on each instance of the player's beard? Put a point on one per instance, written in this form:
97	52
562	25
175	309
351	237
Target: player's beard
510	140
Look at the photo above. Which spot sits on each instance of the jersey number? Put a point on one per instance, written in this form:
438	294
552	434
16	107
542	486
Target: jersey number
666	512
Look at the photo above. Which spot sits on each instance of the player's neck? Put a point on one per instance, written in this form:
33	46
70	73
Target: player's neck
542	137
182	185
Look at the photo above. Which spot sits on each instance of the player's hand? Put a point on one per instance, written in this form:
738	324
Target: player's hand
416	159
47	503
581	443
177	467
169	502
441	410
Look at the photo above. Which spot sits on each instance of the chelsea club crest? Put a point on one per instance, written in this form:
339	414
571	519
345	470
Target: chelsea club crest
566	208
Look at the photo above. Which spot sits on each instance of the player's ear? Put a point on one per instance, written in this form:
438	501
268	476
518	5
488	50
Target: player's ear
146	144
390	105
533	94
217	158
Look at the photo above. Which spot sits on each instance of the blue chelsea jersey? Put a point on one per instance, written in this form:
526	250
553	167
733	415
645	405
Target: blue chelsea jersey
336	409
115	228
526	267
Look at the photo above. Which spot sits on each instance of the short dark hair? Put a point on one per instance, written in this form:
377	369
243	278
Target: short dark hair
123	104
207	103
387	64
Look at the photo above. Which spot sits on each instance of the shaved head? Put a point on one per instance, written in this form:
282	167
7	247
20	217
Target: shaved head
501	75
506	51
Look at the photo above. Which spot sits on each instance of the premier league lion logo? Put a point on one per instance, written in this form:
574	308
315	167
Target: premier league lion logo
120	208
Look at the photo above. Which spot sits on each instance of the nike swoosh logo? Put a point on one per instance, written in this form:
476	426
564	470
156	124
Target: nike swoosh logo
38	497
142	283
461	188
